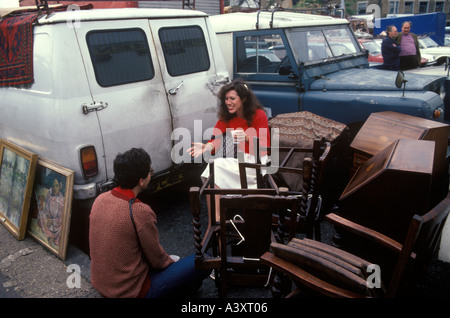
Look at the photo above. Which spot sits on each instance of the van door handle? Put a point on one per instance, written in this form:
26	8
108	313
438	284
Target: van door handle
173	91
221	81
92	107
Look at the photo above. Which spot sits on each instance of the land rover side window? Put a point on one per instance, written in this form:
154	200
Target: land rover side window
259	54
120	56
184	49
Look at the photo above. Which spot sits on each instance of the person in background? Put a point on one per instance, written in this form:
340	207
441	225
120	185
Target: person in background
410	55
127	259
391	50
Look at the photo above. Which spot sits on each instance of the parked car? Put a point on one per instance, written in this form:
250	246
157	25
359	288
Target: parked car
429	46
447	39
375	55
322	69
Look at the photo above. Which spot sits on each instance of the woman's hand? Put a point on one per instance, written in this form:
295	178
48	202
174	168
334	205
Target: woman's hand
199	148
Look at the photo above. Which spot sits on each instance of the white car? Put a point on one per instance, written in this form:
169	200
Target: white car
428	46
374	47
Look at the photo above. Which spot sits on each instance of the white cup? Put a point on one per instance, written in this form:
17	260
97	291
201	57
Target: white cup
238	135
176	258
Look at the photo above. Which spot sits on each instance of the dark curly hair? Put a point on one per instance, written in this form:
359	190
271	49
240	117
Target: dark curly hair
250	101
130	167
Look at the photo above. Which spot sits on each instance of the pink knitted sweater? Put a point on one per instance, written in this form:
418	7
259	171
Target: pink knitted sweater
119	266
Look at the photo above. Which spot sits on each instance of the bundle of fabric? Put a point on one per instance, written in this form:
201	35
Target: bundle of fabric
16	49
299	130
306	126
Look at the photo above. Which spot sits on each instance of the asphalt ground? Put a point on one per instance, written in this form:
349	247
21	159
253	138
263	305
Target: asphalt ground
28	270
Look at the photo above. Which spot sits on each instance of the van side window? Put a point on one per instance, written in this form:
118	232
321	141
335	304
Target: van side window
120	56
259	54
184	49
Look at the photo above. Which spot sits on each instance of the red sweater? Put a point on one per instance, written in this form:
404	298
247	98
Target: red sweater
258	127
118	265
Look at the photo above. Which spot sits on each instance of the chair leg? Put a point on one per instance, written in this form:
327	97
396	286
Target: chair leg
223	283
317	232
281	285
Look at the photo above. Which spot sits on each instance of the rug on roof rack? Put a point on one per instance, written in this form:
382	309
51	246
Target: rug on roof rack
16	49
16	44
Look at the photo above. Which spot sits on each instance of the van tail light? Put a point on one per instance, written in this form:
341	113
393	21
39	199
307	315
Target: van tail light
89	161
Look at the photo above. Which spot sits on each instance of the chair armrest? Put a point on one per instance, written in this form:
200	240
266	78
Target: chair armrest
209	234
363	231
299	275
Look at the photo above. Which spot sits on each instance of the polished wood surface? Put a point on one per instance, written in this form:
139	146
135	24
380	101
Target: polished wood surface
383	128
390	187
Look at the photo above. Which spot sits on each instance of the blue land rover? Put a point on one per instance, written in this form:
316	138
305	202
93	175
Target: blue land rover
304	62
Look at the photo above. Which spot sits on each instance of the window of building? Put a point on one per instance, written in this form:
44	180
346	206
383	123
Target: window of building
409	7
393	7
362	7
120	56
439	6
423	7
185	50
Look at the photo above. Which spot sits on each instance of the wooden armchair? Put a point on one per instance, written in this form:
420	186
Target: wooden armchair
335	273
308	176
232	246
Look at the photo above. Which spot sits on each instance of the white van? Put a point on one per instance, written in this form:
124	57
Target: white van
110	79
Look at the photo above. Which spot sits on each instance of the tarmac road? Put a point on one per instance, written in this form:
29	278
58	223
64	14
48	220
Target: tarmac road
28	270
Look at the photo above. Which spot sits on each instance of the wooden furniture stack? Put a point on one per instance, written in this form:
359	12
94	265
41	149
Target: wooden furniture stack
383	128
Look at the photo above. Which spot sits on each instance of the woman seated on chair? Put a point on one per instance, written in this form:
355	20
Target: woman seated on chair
242	116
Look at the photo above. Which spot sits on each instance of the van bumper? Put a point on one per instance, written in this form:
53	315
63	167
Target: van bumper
84	191
91	190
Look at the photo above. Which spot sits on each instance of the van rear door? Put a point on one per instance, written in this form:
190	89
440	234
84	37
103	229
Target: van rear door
128	92
191	78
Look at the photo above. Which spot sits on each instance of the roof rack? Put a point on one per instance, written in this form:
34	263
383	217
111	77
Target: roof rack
278	8
42	5
271	19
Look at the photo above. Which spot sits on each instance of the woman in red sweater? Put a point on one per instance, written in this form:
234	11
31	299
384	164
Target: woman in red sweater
241	117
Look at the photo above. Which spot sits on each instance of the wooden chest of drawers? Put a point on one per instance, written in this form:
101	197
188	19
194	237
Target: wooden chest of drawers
382	129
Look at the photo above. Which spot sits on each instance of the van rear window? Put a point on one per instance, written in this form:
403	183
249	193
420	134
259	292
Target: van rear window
120	56
184	49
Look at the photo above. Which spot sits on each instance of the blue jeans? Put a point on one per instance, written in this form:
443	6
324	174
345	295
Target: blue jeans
178	278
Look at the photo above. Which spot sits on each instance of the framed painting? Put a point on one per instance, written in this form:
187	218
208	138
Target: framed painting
17	171
51	206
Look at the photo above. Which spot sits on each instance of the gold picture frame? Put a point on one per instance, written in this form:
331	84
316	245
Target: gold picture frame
17	169
51	206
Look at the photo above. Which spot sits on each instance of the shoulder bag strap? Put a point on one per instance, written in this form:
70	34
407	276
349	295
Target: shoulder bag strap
130	202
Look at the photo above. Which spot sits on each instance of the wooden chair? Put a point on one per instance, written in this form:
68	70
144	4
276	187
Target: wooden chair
310	176
335	273
255	208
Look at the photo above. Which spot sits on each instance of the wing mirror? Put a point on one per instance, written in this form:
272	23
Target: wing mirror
400	81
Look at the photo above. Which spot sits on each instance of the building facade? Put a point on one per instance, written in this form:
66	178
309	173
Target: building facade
397	7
